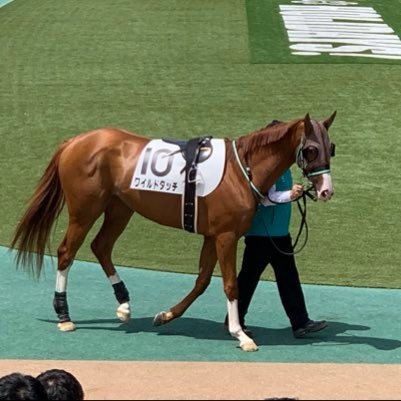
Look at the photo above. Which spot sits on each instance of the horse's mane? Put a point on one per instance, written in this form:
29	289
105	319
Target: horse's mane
273	132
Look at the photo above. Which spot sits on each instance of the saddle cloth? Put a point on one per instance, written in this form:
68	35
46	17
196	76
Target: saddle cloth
161	168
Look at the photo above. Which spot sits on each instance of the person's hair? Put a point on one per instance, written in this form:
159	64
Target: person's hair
17	386
61	385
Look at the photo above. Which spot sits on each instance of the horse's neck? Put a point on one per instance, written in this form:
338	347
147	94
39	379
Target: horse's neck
271	161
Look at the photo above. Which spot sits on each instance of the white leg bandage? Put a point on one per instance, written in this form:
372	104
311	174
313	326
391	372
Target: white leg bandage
114	279
62	280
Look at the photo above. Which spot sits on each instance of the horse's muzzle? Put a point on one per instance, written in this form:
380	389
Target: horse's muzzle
324	187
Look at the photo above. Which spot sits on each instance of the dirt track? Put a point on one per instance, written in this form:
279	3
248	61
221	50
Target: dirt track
103	380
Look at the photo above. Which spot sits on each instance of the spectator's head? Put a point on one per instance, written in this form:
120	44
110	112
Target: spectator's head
61	385
17	386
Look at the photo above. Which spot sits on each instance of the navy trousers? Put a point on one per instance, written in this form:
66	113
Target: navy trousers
258	254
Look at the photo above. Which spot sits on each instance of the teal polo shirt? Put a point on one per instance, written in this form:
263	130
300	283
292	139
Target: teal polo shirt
274	220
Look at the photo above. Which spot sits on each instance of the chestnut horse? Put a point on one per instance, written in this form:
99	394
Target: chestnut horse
92	173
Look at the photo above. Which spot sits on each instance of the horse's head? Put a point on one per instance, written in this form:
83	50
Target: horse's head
314	154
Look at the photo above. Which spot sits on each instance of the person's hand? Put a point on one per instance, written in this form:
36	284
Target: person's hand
296	191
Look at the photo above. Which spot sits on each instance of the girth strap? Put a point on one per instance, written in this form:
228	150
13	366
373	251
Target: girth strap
192	153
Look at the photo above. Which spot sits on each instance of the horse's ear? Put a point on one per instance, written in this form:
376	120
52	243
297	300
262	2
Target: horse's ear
308	124
327	123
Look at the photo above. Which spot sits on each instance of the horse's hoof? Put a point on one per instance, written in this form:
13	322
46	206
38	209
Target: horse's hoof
162	318
123	312
66	326
249	347
159	319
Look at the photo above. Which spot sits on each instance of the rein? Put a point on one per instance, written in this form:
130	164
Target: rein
246	172
303	224
303	157
302	208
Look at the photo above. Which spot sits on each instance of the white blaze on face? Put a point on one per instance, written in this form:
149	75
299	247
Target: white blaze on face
325	187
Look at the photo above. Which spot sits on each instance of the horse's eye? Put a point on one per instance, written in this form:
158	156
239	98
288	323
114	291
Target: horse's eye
310	153
333	150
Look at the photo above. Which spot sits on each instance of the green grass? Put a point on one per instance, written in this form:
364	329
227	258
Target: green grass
182	68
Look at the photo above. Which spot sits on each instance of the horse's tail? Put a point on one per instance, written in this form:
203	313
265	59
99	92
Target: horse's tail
31	236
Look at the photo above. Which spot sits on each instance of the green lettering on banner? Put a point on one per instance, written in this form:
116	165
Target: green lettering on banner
324	31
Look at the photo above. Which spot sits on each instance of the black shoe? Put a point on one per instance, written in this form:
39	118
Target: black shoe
311	326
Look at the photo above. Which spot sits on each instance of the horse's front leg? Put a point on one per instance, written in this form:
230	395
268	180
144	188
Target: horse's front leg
207	263
226	247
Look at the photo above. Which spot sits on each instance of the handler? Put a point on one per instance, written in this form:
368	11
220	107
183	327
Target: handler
268	241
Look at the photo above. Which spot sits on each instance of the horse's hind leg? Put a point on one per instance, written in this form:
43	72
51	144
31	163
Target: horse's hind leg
207	263
116	218
73	239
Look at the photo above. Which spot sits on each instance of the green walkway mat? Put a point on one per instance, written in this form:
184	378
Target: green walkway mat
364	324
4	2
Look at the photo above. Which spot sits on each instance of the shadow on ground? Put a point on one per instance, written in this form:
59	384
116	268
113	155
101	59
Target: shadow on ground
337	333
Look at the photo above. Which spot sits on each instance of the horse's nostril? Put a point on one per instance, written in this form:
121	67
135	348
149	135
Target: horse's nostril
325	194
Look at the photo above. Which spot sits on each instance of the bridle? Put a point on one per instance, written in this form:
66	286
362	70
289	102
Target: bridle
308	152
303	159
302	162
